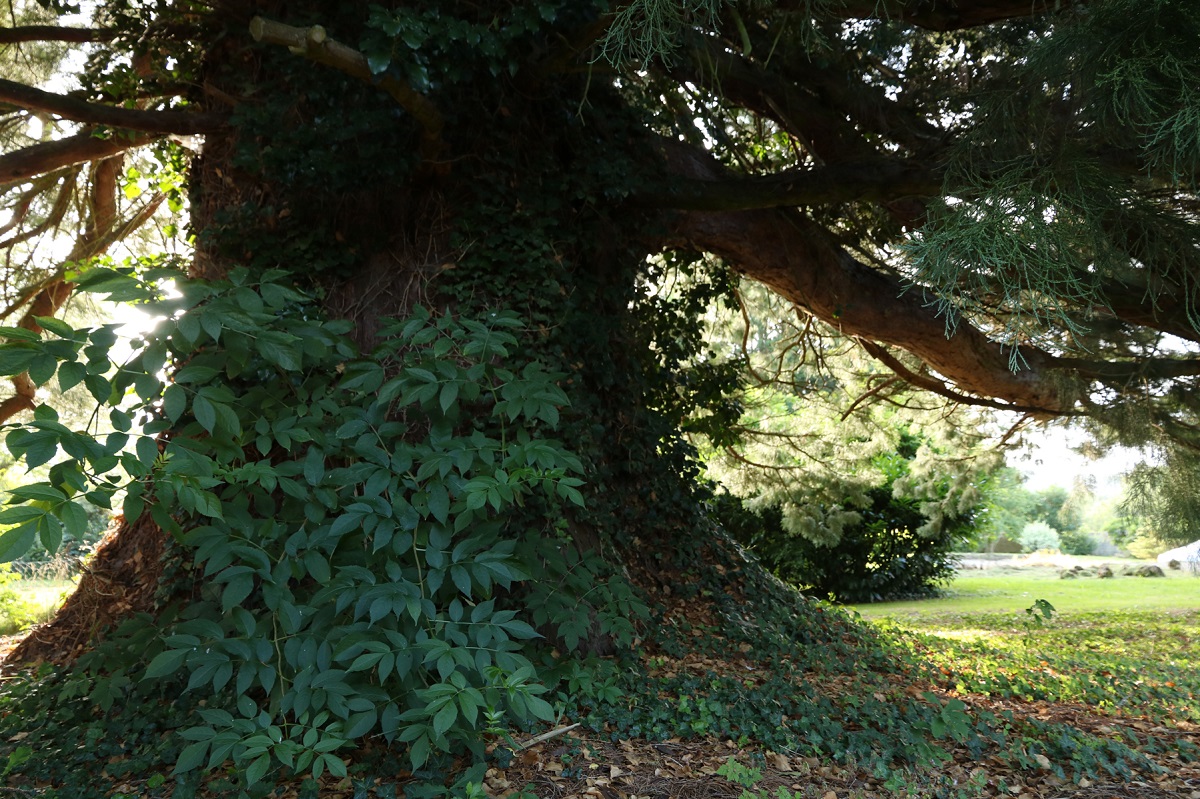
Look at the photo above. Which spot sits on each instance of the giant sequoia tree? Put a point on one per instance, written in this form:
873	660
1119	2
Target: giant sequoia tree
418	383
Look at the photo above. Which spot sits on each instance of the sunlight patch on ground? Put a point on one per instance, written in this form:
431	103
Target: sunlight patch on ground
966	634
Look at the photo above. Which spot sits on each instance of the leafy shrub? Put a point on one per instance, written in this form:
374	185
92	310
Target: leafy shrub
881	557
1076	542
366	520
1039	535
16	611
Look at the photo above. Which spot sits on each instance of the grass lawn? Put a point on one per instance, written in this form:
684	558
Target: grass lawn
1012	588
1125	645
27	602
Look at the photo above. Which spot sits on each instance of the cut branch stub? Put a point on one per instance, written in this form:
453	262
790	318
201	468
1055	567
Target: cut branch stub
314	43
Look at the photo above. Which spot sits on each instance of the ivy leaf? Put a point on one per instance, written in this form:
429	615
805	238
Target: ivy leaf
378	59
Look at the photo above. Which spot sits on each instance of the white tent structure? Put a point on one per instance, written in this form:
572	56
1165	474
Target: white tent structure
1188	556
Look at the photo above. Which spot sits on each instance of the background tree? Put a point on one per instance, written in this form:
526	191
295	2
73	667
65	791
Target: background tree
994	200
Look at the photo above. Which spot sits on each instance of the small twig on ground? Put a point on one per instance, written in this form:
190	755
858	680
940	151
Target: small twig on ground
546	736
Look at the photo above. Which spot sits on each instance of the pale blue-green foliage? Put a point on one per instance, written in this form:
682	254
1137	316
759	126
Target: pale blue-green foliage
647	29
1039	535
1140	61
1065	179
348	513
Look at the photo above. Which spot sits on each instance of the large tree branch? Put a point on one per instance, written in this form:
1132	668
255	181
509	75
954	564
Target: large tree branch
1140	370
794	257
942	15
313	43
878	180
822	131
179	122
54	33
42	158
930	383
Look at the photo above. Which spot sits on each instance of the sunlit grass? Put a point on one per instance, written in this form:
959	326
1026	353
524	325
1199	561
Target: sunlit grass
1123	646
24	603
1012	592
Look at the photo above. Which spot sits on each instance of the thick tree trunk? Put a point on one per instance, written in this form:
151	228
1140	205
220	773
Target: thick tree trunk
325	178
122	579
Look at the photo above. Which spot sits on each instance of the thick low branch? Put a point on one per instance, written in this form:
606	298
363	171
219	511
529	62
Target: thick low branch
1143	369
178	122
58	210
941	15
932	384
42	158
54	33
314	43
796	258
824	132
878	180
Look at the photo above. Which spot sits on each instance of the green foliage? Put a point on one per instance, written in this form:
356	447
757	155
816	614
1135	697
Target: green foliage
17	612
1119	662
429	48
877	558
887	549
1038	615
648	29
353	516
1060	217
1037	536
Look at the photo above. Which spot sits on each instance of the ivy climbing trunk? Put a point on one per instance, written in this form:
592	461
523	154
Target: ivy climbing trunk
515	203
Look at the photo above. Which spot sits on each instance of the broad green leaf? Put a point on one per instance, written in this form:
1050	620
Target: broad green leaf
174	401
204	412
166	663
257	770
16	542
43	492
18	334
75	519
196	374
70	374
15	358
445	718
191	757
42	368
